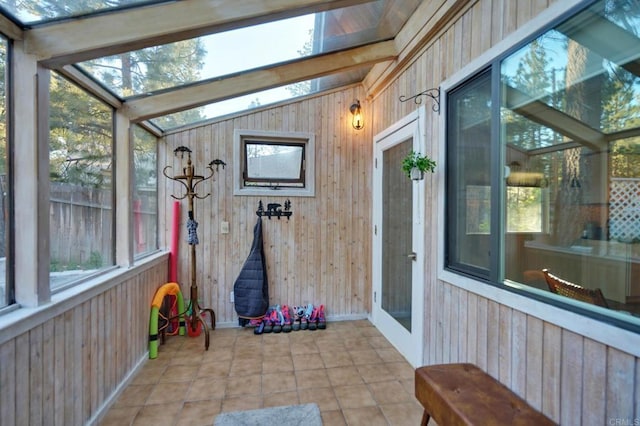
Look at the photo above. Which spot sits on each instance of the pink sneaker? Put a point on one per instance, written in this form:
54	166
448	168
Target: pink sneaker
313	319
322	322
286	319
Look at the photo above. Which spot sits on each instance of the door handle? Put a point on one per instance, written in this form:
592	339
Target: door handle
413	256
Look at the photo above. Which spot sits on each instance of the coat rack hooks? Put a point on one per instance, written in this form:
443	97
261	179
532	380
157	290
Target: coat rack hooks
433	93
275	210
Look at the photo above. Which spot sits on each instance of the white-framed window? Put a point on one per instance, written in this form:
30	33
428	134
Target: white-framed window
145	194
81	210
273	163
543	167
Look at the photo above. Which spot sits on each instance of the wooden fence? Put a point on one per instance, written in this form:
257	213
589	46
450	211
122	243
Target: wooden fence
81	225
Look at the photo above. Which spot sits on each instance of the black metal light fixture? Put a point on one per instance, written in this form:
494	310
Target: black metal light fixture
357	122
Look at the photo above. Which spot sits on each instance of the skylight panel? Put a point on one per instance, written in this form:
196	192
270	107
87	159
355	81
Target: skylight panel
189	61
29	12
234	105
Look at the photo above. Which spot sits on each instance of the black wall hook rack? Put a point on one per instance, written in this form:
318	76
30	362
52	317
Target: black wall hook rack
433	93
275	210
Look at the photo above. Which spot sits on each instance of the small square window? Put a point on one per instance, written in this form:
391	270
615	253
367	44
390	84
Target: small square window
273	163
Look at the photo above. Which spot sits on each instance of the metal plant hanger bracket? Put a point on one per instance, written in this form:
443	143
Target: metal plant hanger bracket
433	93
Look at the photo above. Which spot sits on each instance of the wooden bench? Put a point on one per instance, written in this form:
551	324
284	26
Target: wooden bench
463	394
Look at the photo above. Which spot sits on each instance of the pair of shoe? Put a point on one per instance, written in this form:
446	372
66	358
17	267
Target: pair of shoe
258	325
309	317
277	319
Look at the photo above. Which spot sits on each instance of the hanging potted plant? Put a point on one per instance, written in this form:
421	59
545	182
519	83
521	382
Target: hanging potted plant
415	165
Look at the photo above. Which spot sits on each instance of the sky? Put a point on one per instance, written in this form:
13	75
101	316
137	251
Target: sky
253	47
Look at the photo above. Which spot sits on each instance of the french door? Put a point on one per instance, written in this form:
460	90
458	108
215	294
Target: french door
398	240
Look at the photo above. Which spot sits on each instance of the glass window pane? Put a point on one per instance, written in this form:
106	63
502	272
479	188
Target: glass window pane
145	197
584	69
81	192
468	177
274	161
250	47
38	11
572	182
5	289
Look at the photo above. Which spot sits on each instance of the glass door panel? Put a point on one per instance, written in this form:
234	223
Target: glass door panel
397	231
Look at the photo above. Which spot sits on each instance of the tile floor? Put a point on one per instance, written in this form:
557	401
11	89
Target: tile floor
350	370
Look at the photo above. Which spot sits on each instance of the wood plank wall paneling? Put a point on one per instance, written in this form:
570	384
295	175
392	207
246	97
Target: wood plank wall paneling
65	369
570	378
322	254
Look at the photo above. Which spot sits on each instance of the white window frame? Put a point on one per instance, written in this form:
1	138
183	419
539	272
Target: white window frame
239	136
596	329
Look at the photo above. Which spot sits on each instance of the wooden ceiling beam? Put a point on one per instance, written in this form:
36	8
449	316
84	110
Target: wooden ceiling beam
219	89
108	34
10	28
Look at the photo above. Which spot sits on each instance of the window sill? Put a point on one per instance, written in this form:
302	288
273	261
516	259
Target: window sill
592	328
18	320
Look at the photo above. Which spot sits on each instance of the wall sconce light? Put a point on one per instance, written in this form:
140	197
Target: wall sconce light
357	122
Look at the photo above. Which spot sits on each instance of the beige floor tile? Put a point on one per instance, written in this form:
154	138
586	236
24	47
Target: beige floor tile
357	344
248	351
222	354
336	359
330	344
409	385
406	413
214	369
333	418
179	373
244	385
199	413
379	342
207	388
389	392
245	366
158	415
366	356
151	372
172	343
390	355
371	332
307	362
365	416
237	403
402	370
352	372
276	363
166	393
375	373
312	379
354	396
134	396
188	356
343	376
118	416
278	382
301	346
280	399
324	397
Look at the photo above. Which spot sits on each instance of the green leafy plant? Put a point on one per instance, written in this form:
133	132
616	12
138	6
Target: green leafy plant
417	161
